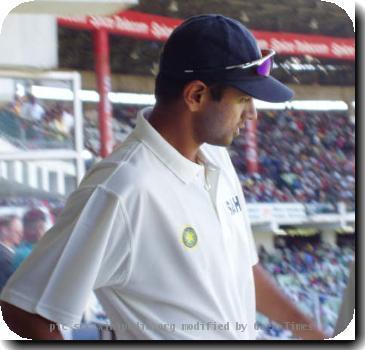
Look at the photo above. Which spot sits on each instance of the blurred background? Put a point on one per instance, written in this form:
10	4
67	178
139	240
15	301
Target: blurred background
73	76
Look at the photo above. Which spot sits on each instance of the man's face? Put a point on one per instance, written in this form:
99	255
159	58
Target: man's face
16	231
220	121
35	230
41	229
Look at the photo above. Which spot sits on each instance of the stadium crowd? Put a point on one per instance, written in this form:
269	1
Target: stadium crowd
313	275
29	124
306	157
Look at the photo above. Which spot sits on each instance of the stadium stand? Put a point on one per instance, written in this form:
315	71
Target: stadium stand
49	131
306	157
314	276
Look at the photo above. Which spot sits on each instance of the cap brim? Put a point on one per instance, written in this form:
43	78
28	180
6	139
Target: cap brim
263	88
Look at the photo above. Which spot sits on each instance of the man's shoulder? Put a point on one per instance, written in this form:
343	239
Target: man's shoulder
127	167
5	253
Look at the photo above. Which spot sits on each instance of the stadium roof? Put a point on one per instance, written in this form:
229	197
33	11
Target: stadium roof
311	17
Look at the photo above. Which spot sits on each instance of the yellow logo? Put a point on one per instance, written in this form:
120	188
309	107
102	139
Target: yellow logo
189	237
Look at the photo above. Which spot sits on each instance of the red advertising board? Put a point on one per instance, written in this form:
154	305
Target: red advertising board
313	45
152	27
130	23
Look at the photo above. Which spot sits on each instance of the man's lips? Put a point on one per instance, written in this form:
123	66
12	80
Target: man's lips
241	125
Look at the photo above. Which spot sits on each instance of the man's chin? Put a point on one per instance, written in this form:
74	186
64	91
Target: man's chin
223	143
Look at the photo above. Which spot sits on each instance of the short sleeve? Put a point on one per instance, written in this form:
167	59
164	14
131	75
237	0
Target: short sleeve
87	248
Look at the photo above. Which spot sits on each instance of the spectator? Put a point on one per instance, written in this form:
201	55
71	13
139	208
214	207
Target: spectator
31	109
55	121
11	232
69	120
34	222
15	106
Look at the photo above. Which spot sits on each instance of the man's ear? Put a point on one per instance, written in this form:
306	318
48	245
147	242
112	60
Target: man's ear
195	92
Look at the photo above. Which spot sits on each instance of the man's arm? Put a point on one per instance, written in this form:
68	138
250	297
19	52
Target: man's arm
273	303
28	325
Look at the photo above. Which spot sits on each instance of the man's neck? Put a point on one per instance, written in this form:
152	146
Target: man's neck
176	129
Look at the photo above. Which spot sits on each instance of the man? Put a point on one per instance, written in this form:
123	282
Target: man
159	229
11	232
68	119
31	109
34	222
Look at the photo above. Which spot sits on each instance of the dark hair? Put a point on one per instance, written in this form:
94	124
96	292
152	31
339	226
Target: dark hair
8	219
169	89
33	215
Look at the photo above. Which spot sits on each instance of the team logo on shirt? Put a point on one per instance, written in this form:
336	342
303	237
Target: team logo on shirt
189	237
233	205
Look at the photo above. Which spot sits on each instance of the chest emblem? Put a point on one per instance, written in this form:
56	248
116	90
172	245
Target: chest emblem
189	237
233	205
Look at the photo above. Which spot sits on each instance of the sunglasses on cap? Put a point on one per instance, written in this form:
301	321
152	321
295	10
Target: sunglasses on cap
263	65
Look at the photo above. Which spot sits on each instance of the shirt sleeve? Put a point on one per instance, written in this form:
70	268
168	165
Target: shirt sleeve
87	248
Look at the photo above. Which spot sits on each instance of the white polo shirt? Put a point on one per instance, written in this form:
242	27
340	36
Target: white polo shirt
164	243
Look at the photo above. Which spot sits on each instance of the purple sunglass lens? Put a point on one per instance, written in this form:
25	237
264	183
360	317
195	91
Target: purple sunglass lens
265	67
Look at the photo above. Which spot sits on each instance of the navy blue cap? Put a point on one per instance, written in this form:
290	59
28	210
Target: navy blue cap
208	43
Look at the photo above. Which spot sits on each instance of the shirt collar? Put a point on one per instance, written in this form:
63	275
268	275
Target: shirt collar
181	166
7	247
